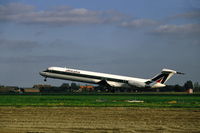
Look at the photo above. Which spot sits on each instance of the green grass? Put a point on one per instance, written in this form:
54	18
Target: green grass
152	100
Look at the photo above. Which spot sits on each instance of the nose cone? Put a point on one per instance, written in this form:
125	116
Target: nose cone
42	73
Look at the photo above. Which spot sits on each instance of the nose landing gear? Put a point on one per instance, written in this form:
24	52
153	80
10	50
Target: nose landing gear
45	79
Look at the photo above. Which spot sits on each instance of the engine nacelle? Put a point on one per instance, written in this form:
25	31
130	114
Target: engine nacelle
158	85
137	84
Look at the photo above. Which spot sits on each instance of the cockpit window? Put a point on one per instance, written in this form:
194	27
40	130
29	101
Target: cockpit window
46	70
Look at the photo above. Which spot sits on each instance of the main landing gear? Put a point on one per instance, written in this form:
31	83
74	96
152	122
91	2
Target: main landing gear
45	79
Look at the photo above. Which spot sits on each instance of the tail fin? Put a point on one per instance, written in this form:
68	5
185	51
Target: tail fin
161	78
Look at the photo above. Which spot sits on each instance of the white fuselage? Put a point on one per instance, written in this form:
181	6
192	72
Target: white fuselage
93	77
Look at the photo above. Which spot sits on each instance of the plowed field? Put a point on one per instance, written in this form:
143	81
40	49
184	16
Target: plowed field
98	119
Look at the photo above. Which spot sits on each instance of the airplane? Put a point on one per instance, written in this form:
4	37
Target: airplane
108	79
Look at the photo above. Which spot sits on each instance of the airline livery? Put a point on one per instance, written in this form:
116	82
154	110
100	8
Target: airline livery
108	79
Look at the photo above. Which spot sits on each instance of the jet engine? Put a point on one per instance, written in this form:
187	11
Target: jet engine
137	84
144	85
158	85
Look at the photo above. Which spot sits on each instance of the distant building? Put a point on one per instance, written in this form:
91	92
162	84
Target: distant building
31	90
6	89
86	88
190	91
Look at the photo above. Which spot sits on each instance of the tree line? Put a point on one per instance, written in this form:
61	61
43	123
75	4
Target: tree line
74	87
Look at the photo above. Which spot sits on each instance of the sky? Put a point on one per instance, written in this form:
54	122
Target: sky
127	37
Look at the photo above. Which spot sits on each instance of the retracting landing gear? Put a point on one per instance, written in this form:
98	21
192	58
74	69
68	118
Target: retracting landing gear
45	79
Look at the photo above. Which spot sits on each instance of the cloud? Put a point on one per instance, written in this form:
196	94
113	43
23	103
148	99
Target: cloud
65	15
15	8
192	15
14	11
139	23
187	29
19	45
189	15
184	35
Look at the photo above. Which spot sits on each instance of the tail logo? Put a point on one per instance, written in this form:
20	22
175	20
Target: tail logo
160	78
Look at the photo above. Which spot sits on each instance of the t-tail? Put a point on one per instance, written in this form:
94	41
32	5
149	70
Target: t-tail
160	79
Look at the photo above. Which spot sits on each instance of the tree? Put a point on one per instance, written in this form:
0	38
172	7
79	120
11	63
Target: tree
178	88
65	87
196	87
74	86
188	85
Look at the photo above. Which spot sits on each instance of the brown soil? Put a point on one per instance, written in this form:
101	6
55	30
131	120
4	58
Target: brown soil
99	119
